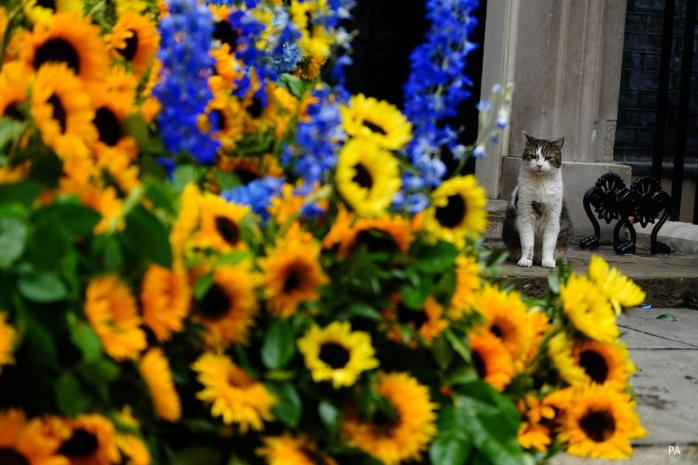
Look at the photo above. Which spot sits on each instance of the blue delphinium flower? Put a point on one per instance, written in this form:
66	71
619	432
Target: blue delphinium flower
257	194
183	89
436	87
285	53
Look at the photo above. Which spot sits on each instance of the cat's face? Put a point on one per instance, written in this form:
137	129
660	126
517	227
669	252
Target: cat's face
542	156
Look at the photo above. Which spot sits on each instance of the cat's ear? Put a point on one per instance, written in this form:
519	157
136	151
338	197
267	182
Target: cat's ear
559	143
529	139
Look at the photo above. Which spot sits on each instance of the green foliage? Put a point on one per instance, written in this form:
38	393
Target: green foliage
279	345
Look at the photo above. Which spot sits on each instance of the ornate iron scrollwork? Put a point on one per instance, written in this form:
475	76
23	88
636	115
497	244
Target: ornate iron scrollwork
643	202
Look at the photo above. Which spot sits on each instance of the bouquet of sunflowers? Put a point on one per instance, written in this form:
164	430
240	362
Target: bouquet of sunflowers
211	253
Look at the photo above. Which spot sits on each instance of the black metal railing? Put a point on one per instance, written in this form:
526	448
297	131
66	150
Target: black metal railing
678	174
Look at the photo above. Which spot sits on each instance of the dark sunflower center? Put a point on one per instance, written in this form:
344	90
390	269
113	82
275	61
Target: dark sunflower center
315	457
12	457
57	50
598	425
215	304
245	175
108	126
12	111
362	176
228	230
333	354
50	4
59	113
129	51
255	108
225	33
219	119
406	315
376	240
383	420
374	127
81	444
479	364
452	214
594	365
294	278
309	27
496	330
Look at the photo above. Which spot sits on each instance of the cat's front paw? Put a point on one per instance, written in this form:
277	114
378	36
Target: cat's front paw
525	262
548	262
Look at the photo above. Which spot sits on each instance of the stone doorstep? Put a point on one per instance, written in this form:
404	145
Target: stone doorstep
681	237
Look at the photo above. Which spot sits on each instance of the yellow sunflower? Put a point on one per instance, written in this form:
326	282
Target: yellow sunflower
228	307
235	396
63	114
377	121
292	275
7	341
224	120
587	362
600	423
315	39
69	39
121	82
368	177
491	359
434	323
14	86
188	219
92	441
588	309
403	438
617	288
467	283
133	450
111	110
41	11
337	354
12	174
534	430
155	370
220	223
507	318
166	299
290	450
135	39
457	210
248	169
386	234
24	441
111	311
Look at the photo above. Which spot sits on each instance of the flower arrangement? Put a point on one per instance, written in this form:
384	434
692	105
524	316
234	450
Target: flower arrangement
211	253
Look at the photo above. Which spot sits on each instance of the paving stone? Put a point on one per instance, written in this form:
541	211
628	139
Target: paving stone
656	455
682	333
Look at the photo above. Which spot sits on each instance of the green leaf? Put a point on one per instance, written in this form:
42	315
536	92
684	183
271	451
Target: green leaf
329	415
436	259
443	352
42	287
289	407
38	341
278	347
112	257
293	83
452	445
13	235
202	285
197	456
145	234
461	375
554	282
135	126
101	371
668	317
84	337
414	297
360	310
184	175
458	345
233	258
75	218
9	130
20	192
70	396
226	180
161	195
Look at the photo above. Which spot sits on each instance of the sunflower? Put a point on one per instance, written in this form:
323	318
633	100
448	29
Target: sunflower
290	450
403	438
617	288
14	85
220	223
228	307
534	430
92	441
491	359
337	354
507	318
103	200
235	395
223	119
377	121
467	283
133	450
41	11
248	169
600	423
315	39
69	39
111	311
12	174
292	275
111	110
457	210
434	323
166	299
134	39
368	177
24	441
386	234
588	309
155	370
7	341
121	82
188	219
63	114
588	362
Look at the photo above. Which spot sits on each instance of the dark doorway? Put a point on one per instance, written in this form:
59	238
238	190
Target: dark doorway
388	31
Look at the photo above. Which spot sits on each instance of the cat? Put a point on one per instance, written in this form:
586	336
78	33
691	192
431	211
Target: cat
537	219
